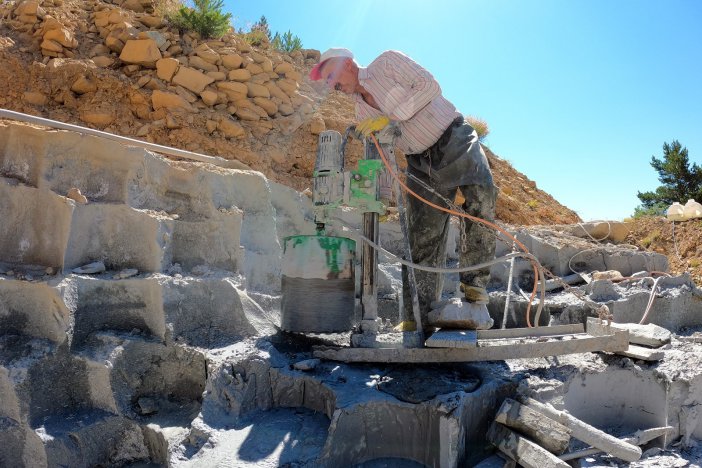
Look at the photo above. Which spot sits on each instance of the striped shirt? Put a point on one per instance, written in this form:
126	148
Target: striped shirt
408	94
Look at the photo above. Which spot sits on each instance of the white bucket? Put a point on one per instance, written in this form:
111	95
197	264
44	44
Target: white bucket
676	212
692	210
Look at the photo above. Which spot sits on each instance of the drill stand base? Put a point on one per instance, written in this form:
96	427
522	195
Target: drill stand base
386	340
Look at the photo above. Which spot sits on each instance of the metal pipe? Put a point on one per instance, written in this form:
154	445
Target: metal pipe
217	161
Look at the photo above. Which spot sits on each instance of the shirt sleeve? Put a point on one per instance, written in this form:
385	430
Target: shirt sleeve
409	87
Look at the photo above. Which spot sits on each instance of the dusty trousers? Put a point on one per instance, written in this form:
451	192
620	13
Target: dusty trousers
455	162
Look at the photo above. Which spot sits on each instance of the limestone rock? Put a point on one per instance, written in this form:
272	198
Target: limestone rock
285	109
254	68
150	21
234	91
284	67
269	106
51	46
192	79
257	90
231	129
198	62
240	74
63	36
90	268
293	75
166	68
30	7
207	54
159	38
77	196
97	117
162	99
231	61
103	61
35	98
317	126
83	85
217	75
209	97
288	86
143	52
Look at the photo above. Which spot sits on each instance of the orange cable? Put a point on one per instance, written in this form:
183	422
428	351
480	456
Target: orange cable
465	215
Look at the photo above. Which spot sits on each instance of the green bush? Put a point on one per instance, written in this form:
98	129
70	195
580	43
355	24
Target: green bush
207	19
256	37
657	209
287	42
479	125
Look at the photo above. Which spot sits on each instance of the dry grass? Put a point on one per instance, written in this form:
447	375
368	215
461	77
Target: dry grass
480	126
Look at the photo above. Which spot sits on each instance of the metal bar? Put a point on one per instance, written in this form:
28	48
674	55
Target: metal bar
217	161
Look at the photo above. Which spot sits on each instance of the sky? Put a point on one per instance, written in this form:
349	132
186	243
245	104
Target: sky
578	95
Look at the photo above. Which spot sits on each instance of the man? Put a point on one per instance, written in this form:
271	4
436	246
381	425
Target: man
442	151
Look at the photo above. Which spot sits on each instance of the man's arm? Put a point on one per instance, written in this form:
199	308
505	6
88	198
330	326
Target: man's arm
409	86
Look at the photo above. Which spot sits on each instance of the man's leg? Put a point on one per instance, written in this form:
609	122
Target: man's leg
478	243
428	232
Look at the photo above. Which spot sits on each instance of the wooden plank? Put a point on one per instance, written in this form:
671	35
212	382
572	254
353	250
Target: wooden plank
534	331
550	434
638	438
580	344
644	354
587	433
453	339
520	449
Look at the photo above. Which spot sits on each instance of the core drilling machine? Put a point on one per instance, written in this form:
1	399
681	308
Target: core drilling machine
319	284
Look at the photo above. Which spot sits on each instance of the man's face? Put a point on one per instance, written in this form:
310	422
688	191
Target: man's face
338	75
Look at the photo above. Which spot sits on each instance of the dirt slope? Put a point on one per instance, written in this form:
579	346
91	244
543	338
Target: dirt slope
78	76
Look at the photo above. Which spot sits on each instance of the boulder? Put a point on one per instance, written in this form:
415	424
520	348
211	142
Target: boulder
192	79
288	86
257	90
240	74
317	126
166	68
207	54
209	97
103	61
231	61
234	90
159	38
284	67
293	75
231	129
51	46
254	68
63	36
83	85
143	52
35	98
269	106
97	117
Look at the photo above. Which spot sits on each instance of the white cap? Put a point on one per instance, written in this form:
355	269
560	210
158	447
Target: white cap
329	53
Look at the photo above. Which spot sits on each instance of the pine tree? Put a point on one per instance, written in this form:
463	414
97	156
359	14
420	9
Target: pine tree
681	180
207	18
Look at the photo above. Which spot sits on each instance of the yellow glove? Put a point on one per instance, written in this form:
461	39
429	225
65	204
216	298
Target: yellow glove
372	124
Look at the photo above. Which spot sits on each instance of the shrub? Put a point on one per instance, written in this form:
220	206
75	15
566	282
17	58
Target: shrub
256	37
657	209
479	125
207	18
287	42
532	204
650	239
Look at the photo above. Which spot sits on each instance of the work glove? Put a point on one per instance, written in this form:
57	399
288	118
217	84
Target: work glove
372	124
475	294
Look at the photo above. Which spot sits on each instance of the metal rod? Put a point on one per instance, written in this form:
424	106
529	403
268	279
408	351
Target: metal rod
217	161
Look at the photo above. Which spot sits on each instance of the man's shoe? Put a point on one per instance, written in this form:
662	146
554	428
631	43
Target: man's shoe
475	294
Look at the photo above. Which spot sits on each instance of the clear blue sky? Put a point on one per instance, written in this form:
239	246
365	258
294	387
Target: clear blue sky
578	94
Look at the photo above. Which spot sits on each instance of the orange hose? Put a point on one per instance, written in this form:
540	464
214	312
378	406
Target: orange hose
465	215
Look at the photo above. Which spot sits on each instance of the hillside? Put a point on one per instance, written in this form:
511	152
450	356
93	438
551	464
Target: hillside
122	69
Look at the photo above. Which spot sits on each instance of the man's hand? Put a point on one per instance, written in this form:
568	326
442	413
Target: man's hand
372	124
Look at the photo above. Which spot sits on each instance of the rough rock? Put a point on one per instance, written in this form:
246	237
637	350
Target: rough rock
162	99
192	79
140	52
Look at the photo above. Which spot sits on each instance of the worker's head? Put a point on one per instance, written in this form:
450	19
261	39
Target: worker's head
337	69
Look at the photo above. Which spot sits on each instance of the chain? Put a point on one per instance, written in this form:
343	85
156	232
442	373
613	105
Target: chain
464	236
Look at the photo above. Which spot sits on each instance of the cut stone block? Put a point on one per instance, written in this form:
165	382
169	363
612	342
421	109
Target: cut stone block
33	310
99	168
161	186
206	312
453	339
149	379
120	236
214	242
35	225
647	335
21	153
117	305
